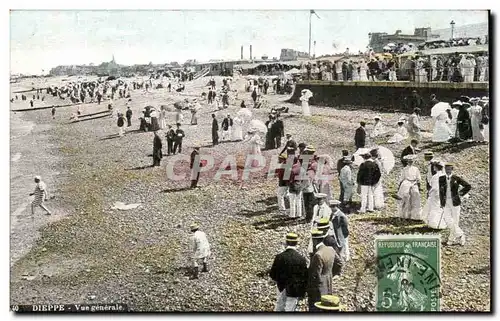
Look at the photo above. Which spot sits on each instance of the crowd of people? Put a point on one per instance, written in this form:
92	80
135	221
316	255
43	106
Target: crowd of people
417	68
455	42
309	196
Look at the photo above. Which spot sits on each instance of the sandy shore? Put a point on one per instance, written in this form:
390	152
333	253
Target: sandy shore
139	257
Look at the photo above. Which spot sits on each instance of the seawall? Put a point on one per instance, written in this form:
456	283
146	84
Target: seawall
384	95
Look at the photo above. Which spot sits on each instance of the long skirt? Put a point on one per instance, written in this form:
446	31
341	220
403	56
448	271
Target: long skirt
378	195
306	110
409	204
442	132
154	124
432	213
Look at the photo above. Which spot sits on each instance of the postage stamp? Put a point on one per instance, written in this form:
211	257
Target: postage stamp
408	273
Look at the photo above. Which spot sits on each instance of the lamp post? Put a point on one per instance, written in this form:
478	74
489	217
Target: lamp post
452	24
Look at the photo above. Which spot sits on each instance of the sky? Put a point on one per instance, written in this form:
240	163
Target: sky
41	40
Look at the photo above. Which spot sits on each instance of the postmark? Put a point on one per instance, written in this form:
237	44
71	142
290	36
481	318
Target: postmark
408	273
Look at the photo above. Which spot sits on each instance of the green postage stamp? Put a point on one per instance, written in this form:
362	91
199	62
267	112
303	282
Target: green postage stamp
408	273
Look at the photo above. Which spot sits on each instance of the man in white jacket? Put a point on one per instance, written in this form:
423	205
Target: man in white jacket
200	248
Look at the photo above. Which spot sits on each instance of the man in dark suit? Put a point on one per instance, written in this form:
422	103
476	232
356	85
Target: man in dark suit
449	196
368	176
215	131
360	136
278	130
195	170
170	140
290	145
289	270
323	264
410	150
179	135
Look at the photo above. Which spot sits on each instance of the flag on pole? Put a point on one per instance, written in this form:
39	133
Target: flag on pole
314	13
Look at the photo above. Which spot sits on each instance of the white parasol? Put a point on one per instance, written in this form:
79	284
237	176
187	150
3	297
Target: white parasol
245	114
257	126
386	158
391	44
439	108
387	48
358	159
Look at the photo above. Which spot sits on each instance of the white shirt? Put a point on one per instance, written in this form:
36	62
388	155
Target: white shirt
448	189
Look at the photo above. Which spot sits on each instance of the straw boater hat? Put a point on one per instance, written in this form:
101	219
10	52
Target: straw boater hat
335	202
428	153
329	302
320	195
292	237
317	234
283	156
449	164
323	224
409	157
377	117
310	148
194	227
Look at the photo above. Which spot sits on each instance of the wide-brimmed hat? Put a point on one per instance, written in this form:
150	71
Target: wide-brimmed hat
194	226
457	103
335	202
38	177
329	302
448	164
310	148
428	153
377	117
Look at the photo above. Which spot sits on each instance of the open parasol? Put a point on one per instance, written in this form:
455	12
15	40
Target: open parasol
257	126
307	93
245	114
439	108
386	158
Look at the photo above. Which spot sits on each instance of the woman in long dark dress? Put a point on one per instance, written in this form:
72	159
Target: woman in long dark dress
157	152
155	124
464	125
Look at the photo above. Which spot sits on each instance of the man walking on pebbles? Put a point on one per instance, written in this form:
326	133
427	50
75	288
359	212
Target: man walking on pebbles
41	194
200	249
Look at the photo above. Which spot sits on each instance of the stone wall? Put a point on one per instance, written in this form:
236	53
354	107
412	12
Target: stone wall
383	95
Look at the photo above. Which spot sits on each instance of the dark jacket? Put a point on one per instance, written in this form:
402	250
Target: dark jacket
226	123
215	125
407	151
290	147
368	174
179	135
170	134
289	270
455	182
194	153
129	113
360	137
340	227
278	129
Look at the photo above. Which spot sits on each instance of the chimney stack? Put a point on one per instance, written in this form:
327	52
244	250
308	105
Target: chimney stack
251	52
241	52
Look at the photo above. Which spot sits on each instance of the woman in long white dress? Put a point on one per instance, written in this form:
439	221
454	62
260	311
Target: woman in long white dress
179	117
163	117
378	191
256	144
355	72
442	132
363	71
237	129
421	73
475	120
409	191
432	212
454	113
378	128
400	135
306	110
